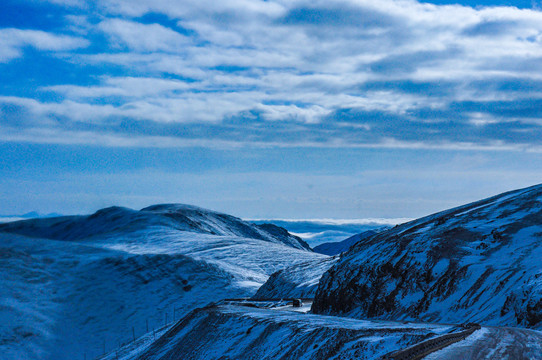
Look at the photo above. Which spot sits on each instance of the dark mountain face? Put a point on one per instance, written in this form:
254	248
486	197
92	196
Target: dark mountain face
334	248
175	216
479	262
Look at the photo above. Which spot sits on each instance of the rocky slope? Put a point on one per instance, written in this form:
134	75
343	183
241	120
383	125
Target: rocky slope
479	262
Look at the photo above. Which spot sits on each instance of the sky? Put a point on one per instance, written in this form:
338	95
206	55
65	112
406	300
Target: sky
268	109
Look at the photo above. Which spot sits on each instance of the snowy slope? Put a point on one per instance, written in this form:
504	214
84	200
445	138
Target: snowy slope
494	343
71	297
298	281
233	332
63	300
480	262
175	216
334	248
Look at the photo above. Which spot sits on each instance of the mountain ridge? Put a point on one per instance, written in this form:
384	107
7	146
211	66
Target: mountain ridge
177	216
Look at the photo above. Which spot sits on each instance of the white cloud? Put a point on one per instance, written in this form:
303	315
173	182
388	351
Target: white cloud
71	3
12	41
143	37
190	8
366	221
311	114
121	86
302	62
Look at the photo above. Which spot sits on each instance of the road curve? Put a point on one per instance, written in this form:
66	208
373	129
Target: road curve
494	343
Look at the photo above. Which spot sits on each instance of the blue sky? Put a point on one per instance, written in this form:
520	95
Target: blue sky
286	109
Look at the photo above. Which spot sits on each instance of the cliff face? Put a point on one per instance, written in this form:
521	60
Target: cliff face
479	262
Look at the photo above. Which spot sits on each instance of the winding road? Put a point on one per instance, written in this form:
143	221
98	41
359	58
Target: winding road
494	343
487	343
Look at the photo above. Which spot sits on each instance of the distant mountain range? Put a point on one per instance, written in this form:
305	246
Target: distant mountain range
334	248
320	231
312	231
28	215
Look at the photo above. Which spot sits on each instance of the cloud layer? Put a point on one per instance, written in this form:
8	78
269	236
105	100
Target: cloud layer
341	73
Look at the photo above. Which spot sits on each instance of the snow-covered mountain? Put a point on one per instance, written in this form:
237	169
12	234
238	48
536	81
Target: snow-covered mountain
480	262
77	286
334	248
298	281
175	216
